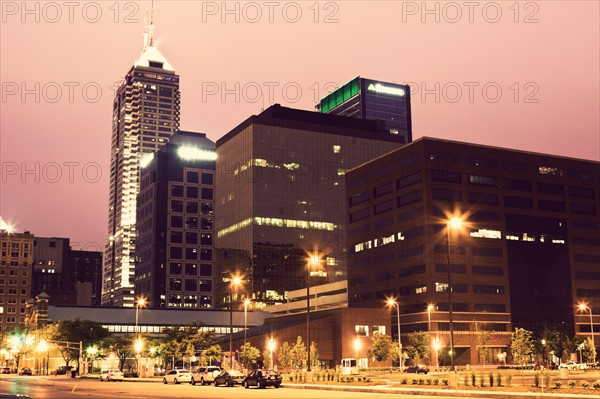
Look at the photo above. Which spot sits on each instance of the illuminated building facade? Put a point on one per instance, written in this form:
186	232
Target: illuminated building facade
372	99
145	115
528	250
16	265
175	224
280	184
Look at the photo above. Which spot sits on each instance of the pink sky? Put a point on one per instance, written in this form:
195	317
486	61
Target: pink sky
551	62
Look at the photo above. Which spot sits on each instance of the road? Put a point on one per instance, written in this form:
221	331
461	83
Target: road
66	388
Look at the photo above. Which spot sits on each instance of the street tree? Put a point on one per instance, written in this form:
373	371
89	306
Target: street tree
395	354
249	354
74	331
121	346
314	355
380	349
210	354
298	353
484	337
589	350
266	355
521	346
419	345
284	355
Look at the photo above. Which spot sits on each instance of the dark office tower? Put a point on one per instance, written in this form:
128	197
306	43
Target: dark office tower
372	99
175	224
145	115
52	270
280	198
526	254
86	274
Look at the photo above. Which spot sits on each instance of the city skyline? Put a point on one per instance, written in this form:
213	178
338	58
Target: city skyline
55	135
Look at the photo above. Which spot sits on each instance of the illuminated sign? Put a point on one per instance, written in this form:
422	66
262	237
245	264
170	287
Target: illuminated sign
379	88
196	154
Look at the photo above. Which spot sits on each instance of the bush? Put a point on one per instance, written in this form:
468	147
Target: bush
596	384
436	381
491	379
445	381
499	379
536	380
404	381
481	380
571	384
415	381
428	381
367	380
508	379
291	378
351	379
585	384
473	380
558	384
421	381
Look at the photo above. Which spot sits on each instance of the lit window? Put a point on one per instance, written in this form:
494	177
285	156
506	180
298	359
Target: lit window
441	287
361	330
337	149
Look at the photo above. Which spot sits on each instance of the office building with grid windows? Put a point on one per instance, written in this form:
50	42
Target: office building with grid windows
526	253
175	224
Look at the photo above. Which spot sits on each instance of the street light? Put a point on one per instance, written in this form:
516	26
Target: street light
42	348
314	260
453	223
234	281
583	307
246	303
429	309
436	347
92	350
271	350
392	302
140	303
543	350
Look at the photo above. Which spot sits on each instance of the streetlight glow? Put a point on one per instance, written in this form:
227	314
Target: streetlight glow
583	307
455	223
391	303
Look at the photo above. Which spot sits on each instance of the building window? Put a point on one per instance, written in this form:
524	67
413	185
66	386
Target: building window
337	149
175	268
361	330
175	284
409	198
445	176
518	202
207	193
548	188
582	192
382	190
583	209
446	195
176	191
483	180
519	185
488	289
358	215
192	192
554	206
207	179
383	207
192	177
408	180
483	198
360	198
379	329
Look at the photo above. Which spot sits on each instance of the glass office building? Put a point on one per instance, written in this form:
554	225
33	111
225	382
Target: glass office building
372	99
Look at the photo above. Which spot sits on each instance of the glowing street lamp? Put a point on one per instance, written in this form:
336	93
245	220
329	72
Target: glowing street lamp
453	223
140	303
271	350
436	347
392	302
314	260
583	307
42	347
235	281
246	303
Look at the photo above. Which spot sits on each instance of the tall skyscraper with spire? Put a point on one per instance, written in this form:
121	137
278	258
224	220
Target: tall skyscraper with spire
145	115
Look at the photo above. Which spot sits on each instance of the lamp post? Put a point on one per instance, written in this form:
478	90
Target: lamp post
392	302
234	281
357	346
429	309
436	347
453	223
271	350
543	350
314	260
583	307
42	348
246	303
140	303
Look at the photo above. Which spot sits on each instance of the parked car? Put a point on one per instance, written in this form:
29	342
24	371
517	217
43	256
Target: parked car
205	375
63	370
177	376
229	378
111	375
417	368
262	379
569	366
25	371
4	370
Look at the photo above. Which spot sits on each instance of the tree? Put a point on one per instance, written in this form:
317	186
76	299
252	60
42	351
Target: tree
484	339
560	341
267	359
298	353
249	354
521	346
419	345
211	353
380	349
85	331
121	346
395	353
19	343
284	355
589	350
314	356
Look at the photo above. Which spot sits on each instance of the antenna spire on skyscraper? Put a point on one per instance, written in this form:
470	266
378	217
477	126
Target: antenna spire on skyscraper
149	28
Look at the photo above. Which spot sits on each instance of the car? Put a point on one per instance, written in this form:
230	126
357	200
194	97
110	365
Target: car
417	369
569	366
111	375
177	376
4	370
25	371
229	378
63	370
262	378
205	375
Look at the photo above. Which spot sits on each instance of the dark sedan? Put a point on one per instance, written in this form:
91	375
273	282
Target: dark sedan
417	369
229	378
25	371
262	379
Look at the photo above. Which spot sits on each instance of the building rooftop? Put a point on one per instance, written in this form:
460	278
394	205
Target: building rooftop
151	54
292	118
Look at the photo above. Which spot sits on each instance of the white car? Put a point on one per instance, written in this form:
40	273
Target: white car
205	375
177	376
111	375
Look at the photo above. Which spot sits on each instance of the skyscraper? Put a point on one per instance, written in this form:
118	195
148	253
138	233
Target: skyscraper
145	115
280	198
371	99
175	224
